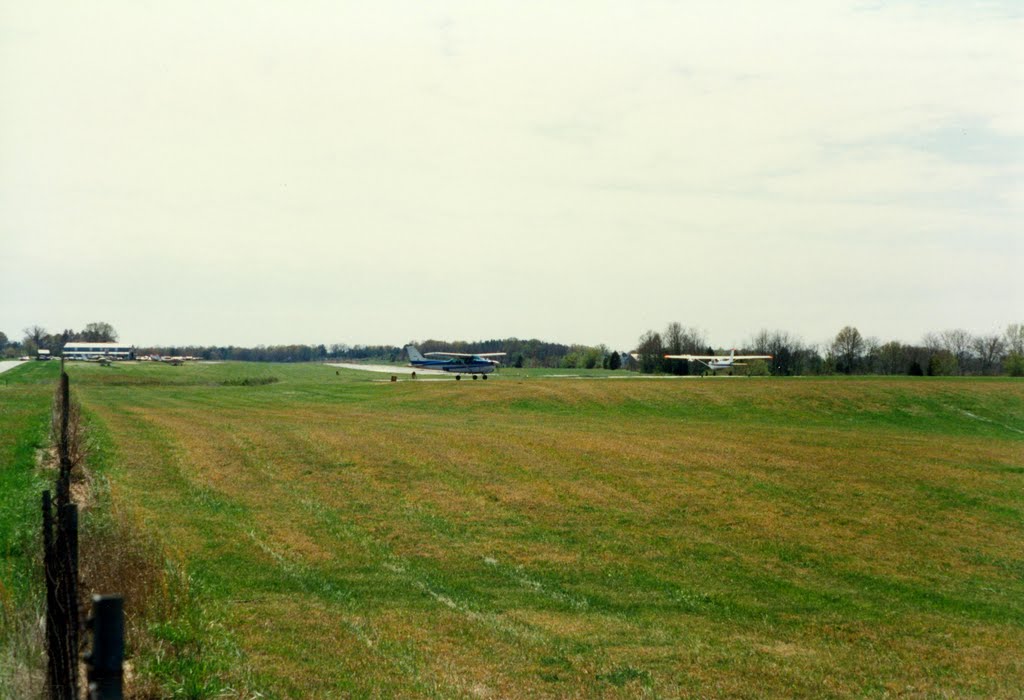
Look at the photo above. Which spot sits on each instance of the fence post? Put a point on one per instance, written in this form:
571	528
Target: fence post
66	551
63	448
50	574
105	659
60	565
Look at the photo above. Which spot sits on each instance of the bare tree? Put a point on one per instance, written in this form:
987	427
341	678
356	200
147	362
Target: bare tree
892	358
672	339
1013	364
931	342
1014	337
848	347
35	337
957	342
989	350
99	332
869	362
694	341
650	350
787	350
678	340
761	343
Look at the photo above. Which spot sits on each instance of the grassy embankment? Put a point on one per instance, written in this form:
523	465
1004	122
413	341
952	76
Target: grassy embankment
531	537
25	396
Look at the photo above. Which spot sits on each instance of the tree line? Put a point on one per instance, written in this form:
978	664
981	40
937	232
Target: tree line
949	352
944	353
37	338
520	353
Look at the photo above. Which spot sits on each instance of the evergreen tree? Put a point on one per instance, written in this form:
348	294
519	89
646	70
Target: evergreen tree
615	360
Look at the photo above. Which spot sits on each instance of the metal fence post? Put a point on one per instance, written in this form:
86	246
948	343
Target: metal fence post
60	563
50	574
63	448
104	661
66	551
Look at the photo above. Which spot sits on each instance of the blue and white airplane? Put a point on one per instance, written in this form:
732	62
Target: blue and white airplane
458	363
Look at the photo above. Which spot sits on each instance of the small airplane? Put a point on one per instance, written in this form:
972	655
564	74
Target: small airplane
458	363
717	362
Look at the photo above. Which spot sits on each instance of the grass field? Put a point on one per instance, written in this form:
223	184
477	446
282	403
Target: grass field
25	395
533	536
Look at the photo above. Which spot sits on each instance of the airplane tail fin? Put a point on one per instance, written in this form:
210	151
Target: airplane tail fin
414	354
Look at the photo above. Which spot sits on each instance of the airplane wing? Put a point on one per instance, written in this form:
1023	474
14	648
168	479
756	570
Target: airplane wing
465	354
718	357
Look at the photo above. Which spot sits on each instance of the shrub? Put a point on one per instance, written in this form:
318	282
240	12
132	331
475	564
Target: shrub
250	381
942	364
758	368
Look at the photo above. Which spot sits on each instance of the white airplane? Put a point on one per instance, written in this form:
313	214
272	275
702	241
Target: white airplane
717	362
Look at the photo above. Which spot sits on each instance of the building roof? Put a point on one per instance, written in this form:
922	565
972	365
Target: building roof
98	346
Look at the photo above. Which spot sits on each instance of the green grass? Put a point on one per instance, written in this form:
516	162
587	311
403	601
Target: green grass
535	536
25	395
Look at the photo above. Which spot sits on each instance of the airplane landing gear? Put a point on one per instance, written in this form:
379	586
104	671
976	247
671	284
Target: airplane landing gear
484	377
458	377
475	377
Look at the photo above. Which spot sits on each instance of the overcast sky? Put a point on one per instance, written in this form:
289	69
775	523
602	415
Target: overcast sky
274	172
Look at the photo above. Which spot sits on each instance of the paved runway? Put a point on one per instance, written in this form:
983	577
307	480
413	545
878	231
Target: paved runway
389	369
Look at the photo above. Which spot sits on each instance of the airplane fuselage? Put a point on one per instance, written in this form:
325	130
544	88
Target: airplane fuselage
456	366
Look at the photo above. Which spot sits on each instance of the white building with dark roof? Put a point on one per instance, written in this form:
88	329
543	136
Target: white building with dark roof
76	350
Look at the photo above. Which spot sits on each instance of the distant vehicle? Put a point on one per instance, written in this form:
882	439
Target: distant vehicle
458	363
717	362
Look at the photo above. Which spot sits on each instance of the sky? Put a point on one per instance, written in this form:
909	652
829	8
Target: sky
251	172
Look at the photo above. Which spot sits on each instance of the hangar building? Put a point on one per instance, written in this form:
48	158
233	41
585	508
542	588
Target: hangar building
93	351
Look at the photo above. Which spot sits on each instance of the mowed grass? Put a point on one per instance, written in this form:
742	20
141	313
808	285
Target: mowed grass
25	396
544	537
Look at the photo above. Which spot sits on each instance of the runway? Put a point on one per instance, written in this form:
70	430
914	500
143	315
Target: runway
389	369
